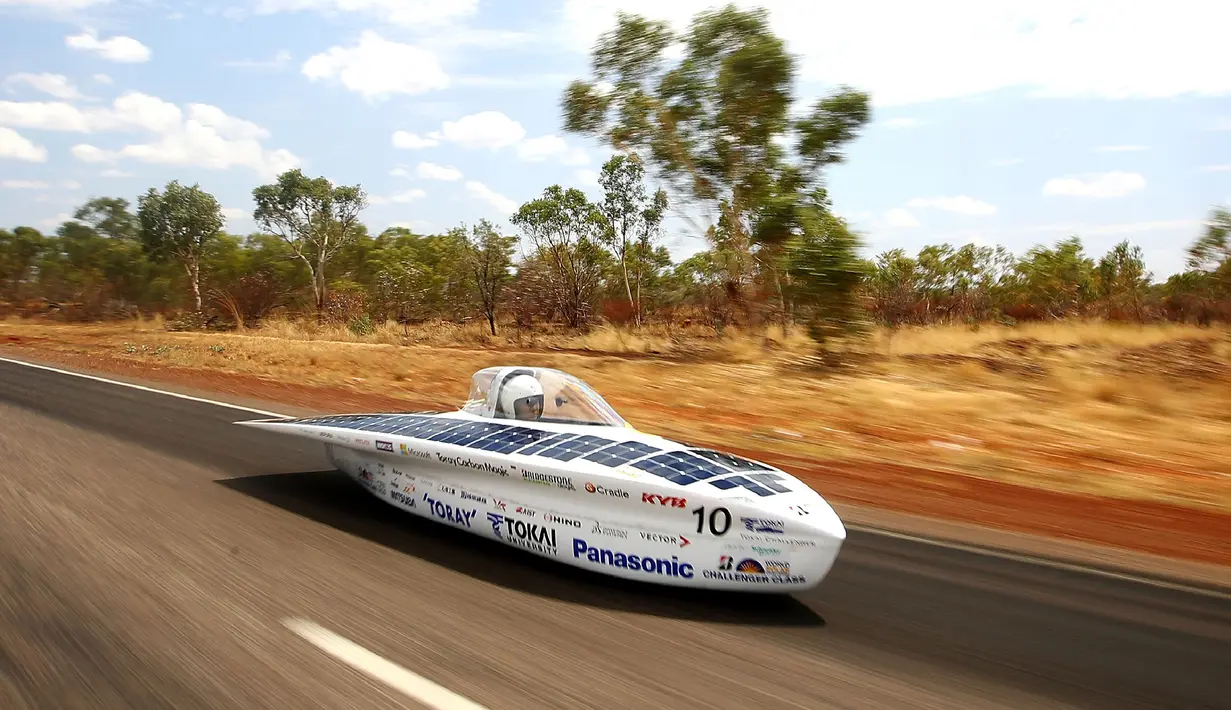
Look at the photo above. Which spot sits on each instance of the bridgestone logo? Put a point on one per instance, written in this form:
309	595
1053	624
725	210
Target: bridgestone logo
472	464
548	479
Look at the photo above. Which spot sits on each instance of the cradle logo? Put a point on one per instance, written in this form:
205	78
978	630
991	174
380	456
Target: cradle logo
603	490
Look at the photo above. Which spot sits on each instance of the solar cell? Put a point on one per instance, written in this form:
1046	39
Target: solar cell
730	482
466	433
572	448
731	461
680	467
510	439
620	454
545	443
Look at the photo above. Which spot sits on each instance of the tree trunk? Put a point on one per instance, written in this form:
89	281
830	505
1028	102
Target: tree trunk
629	290
194	280
491	320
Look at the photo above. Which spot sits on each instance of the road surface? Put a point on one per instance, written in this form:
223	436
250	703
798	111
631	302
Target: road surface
153	555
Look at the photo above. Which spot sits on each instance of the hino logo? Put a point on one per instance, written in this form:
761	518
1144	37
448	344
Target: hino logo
558	520
601	489
384	446
664	500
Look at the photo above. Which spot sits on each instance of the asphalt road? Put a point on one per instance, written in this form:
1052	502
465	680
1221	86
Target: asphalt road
151	554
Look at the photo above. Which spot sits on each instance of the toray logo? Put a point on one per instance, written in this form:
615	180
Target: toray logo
444	511
664	500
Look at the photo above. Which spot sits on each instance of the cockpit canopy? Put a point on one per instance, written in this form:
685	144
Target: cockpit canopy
566	399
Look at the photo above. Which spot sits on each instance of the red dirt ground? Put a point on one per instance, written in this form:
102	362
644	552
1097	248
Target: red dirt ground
1158	528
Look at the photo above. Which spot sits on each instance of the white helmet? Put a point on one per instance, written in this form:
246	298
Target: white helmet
522	398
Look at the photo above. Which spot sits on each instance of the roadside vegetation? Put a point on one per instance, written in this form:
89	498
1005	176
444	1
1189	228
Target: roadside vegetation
1053	369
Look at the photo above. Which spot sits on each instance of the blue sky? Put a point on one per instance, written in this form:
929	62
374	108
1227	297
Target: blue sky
1007	123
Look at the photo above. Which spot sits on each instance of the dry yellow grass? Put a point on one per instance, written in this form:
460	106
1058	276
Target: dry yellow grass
1134	412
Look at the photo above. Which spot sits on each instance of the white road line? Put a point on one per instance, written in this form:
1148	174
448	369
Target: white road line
411	684
143	388
1041	562
971	549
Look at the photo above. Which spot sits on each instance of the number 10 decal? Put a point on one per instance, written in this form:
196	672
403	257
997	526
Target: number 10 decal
713	520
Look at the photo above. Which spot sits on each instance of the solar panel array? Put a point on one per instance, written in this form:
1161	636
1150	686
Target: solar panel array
721	470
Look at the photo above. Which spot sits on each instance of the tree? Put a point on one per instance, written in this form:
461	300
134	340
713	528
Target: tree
313	216
180	223
1121	280
564	228
109	216
633	221
712	125
489	256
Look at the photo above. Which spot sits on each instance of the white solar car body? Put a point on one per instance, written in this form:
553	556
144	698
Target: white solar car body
581	486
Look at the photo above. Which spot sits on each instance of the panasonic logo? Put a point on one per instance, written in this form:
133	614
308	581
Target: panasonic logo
637	563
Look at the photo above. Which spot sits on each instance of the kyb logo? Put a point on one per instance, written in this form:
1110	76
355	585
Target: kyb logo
603	490
558	520
666	539
671	501
444	511
384	446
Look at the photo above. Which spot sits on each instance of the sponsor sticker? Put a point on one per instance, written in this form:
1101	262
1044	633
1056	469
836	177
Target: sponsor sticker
325	434
665	539
530	536
373	483
384	446
499	504
415	453
548	479
528	512
753	571
561	520
667	501
446	488
602	490
464	462
637	563
466	495
767	551
600	529
400	497
763	525
444	511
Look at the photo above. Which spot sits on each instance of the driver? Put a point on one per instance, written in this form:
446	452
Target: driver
522	398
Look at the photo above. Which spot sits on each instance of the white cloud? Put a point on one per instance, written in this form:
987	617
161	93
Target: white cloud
1215	168
486	129
236	216
1122	148
55	221
53	5
1049	47
376	68
961	204
898	217
405	13
493	130
1006	162
56	85
1113	184
403	197
113	173
413	141
102	79
16	147
502	204
208	137
115	49
588	178
400	172
534	150
23	185
432	171
280	60
902	122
